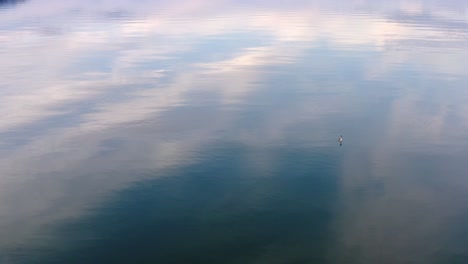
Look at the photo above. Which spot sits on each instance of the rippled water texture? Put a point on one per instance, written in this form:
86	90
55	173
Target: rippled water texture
207	131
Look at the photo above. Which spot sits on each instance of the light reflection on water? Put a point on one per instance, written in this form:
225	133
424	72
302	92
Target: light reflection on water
208	132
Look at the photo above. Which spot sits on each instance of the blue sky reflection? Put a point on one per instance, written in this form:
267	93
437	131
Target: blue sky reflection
89	89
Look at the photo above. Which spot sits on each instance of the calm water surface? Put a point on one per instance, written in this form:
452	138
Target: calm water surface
206	131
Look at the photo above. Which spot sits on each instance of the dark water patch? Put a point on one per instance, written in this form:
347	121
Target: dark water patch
213	212
10	3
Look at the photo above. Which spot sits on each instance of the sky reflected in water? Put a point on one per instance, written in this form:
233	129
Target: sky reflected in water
206	132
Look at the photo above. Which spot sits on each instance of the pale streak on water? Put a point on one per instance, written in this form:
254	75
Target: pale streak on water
206	132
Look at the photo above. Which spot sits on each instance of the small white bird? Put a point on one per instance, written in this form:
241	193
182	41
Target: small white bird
340	139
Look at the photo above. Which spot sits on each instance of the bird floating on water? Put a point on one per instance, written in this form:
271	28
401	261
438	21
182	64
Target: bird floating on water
340	140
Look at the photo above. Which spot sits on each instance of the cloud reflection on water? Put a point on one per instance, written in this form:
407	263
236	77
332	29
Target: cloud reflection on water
150	67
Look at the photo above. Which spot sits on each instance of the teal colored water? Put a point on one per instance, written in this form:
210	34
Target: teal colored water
207	132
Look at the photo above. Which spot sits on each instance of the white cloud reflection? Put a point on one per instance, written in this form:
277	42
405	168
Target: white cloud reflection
153	68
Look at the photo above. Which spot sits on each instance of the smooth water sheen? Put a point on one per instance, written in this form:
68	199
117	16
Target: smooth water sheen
199	131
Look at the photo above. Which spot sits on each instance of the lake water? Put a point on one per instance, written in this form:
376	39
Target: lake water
197	131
